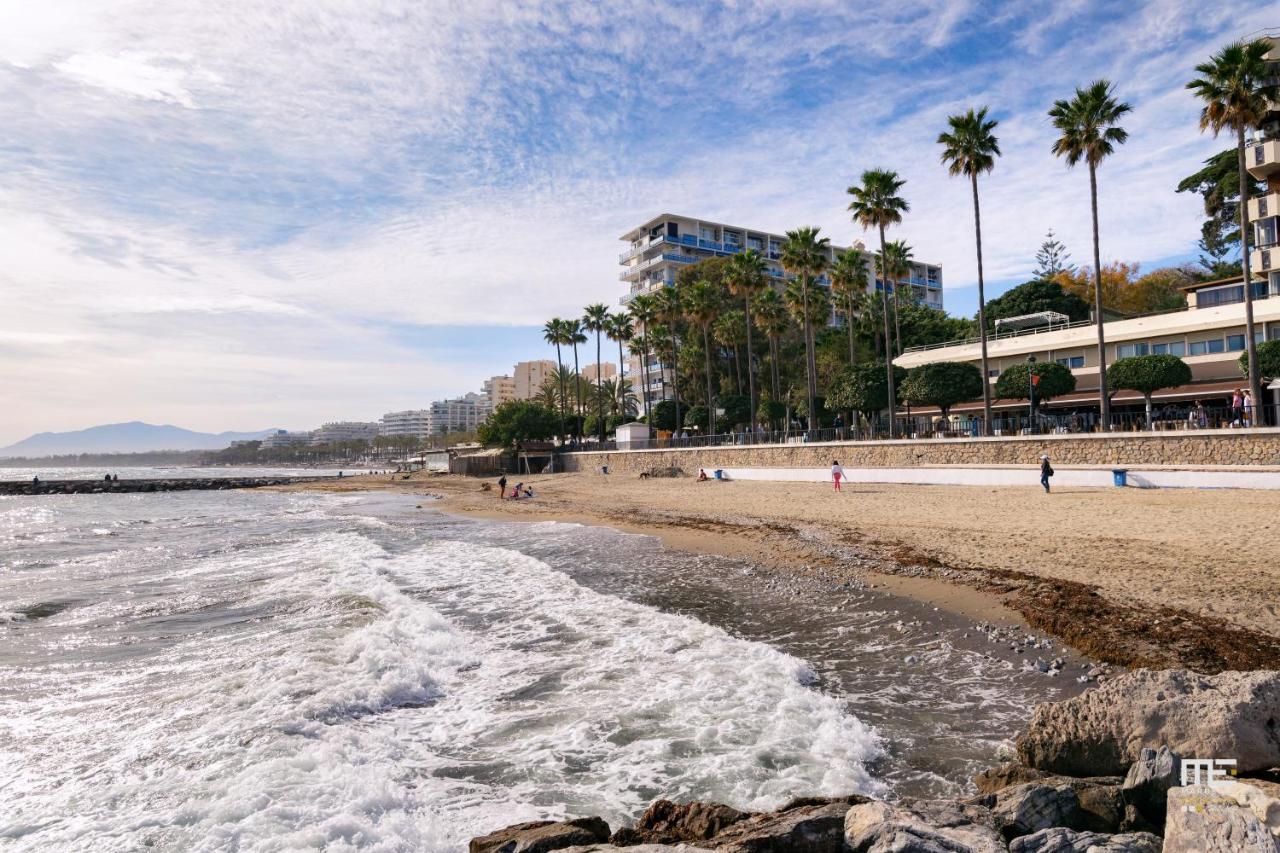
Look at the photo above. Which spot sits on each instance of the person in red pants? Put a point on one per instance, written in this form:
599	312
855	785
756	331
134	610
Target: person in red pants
837	473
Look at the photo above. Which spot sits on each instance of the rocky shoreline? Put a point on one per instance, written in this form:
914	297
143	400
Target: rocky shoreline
1098	773
170	484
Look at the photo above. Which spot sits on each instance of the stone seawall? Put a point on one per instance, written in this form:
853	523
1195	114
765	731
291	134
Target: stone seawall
177	484
1198	448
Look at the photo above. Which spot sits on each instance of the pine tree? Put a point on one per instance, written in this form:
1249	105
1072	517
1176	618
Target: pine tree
1052	258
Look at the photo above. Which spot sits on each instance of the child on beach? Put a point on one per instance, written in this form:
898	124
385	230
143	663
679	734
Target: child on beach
1046	471
836	473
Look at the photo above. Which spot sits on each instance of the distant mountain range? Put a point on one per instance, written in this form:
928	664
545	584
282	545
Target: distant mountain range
133	437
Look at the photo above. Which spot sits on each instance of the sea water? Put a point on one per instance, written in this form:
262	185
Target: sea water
280	671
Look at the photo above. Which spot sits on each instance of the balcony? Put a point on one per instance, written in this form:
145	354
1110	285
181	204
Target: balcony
1264	206
1262	159
1264	260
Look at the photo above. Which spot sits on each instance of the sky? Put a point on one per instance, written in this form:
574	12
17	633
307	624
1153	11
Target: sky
273	213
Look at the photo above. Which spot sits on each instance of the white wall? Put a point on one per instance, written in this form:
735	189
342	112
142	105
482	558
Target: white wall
960	476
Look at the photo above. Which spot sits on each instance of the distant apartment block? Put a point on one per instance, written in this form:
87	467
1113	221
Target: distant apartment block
461	414
606	370
283	438
411	422
499	390
337	431
529	376
659	248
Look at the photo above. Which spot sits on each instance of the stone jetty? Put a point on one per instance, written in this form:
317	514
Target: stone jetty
173	484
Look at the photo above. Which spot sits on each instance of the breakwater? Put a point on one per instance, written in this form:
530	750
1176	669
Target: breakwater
173	484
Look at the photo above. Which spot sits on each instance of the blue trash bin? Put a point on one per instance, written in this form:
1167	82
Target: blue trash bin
1119	477
719	474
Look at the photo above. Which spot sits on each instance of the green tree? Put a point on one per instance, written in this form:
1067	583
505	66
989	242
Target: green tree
1268	362
1218	185
730	332
864	387
805	255
1089	130
943	384
670	312
703	307
644	314
1032	297
898	256
1052	258
1238	87
748	276
923	326
1148	374
876	204
1054	380
619	328
848	285
737	409
596	319
554	333
572	337
970	148
663	415
770	312
517	421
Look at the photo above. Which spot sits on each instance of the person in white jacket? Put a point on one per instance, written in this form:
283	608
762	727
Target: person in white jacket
837	473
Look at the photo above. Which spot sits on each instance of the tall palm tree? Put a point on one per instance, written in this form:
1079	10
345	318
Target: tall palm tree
618	327
730	331
1236	87
970	149
898	255
770	312
805	254
848	283
573	335
748	275
596	319
644	313
703	307
670	310
1090	131
553	333
876	204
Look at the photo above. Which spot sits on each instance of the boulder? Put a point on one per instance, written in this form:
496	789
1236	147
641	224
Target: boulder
817	826
542	835
925	826
1226	818
1003	775
1062	840
1102	731
1033	806
665	822
1147	785
636	848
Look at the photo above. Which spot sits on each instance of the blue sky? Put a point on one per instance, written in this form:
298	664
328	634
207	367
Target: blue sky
233	216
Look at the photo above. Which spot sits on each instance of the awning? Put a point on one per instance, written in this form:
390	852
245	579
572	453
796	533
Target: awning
1193	391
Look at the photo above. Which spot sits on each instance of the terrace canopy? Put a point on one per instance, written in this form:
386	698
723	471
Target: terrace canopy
1029	321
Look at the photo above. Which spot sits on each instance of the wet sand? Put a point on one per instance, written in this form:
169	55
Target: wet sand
1157	578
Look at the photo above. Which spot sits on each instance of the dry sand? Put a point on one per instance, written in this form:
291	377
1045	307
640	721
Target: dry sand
1138	577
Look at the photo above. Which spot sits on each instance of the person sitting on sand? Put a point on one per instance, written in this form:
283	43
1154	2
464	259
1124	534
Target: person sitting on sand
528	492
515	493
702	475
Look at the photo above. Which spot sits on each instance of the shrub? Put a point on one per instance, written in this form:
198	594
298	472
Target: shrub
1148	374
942	384
1268	360
1054	381
518	420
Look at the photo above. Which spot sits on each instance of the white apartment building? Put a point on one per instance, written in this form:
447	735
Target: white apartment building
337	431
659	248
499	390
1262	160
529	376
461	414
284	438
411	422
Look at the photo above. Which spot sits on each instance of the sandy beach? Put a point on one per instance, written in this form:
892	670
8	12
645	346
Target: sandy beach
1170	577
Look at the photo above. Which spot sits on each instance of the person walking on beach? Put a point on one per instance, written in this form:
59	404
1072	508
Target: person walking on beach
502	487
1046	471
837	473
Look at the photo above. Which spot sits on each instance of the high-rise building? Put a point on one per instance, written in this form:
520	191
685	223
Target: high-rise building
461	414
659	248
606	370
499	390
412	422
337	431
284	438
1262	160
529	376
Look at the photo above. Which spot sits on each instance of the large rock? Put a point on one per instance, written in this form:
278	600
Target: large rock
1062	840
1227	818
543	835
925	826
1004	775
1033	806
805	826
1147	784
665	822
1103	731
635	848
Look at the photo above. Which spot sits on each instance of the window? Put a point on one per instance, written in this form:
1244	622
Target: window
1177	348
993	372
1209	346
1130	350
1235	343
1220	296
1074	361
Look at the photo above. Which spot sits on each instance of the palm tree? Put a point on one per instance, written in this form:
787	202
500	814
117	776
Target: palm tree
618	327
573	335
644	313
898	255
1237	87
805	254
848	283
670	311
703	306
596	319
553	333
770	312
876	204
1088	124
970	148
747	277
730	332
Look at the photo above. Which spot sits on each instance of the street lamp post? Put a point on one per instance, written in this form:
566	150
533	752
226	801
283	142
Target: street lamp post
1031	392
